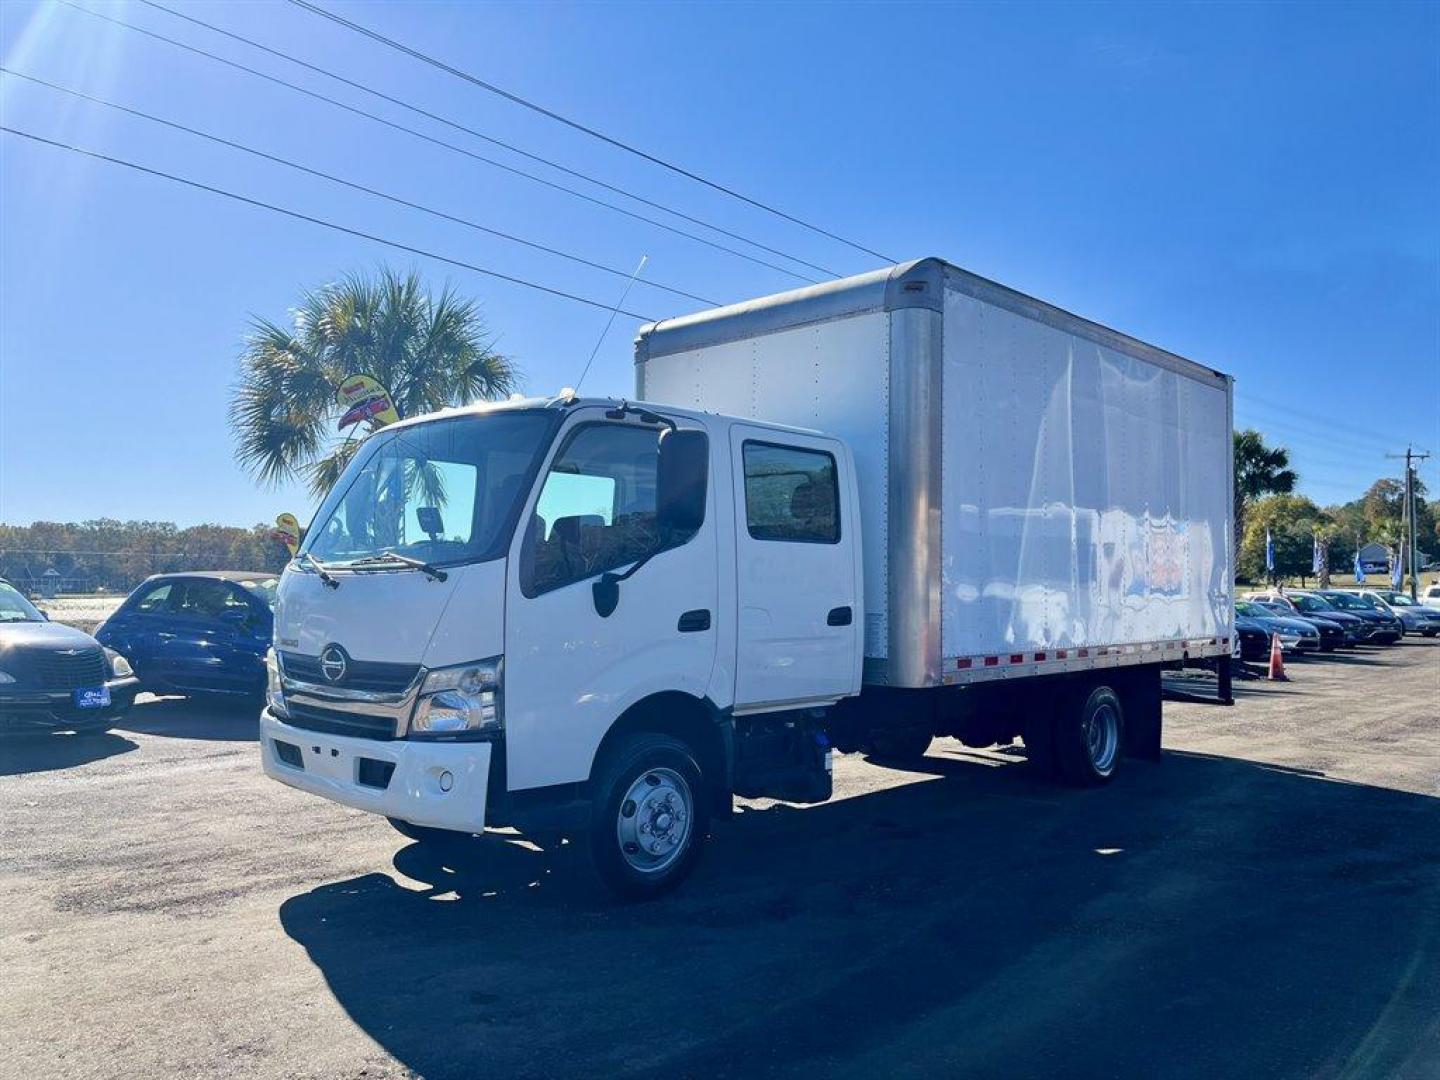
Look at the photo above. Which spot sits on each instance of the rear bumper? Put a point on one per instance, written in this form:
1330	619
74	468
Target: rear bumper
443	785
35	710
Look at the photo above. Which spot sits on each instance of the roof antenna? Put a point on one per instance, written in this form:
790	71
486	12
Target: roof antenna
613	311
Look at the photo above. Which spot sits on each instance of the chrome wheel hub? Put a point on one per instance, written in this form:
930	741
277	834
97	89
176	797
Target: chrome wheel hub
654	820
1102	738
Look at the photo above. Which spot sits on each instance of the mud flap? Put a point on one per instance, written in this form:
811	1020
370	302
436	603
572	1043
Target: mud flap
1143	715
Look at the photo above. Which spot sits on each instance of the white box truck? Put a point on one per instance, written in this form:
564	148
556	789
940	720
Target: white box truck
855	516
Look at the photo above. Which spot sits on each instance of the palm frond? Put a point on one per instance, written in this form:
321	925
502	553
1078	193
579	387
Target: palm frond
430	351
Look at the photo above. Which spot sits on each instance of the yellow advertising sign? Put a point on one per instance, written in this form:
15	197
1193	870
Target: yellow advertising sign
287	532
364	399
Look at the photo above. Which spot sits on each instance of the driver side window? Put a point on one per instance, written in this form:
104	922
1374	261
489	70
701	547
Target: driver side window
597	509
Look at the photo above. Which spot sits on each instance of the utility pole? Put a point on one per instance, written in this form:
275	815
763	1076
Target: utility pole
1407	513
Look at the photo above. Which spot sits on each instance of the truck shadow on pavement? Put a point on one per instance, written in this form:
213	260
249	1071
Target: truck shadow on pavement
1209	917
219	720
44	752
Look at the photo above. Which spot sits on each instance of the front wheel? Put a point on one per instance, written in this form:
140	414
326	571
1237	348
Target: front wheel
649	817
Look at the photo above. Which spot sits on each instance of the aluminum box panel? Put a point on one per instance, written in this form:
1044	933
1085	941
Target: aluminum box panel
830	376
1086	491
1039	492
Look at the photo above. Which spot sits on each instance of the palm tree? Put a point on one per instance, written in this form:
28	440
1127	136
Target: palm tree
430	351
1260	470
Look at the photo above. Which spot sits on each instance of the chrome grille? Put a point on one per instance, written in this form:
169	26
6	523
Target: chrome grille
58	671
372	676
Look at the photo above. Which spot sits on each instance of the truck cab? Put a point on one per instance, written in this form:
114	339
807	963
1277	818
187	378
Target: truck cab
581	615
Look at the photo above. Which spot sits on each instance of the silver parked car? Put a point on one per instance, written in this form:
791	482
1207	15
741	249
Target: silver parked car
1416	617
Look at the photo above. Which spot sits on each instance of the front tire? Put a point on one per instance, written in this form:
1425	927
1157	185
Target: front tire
1090	737
649	818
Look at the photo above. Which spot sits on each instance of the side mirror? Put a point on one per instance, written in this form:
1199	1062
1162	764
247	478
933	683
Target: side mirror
606	593
683	472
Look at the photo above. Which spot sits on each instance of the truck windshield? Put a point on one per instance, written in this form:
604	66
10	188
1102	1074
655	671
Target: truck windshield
443	492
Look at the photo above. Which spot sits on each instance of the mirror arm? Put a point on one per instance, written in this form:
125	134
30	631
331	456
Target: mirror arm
606	591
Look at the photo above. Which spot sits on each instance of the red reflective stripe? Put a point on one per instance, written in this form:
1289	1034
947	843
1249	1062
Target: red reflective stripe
1061	654
1083	652
1017	658
991	661
1039	656
963	662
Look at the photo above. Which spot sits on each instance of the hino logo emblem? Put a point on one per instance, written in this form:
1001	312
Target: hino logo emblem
333	663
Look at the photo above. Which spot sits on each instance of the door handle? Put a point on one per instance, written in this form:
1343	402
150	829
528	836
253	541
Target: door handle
693	621
839	616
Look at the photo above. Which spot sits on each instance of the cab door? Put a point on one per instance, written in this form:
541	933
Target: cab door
571	670
797	570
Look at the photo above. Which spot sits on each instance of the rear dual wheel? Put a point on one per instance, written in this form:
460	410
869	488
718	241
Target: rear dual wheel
900	747
1082	743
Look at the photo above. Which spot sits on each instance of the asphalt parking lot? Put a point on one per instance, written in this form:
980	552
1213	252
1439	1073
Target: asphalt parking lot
1265	902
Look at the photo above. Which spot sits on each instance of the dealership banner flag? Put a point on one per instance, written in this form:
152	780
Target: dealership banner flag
1397	568
1359	570
287	532
1269	553
1315	557
364	399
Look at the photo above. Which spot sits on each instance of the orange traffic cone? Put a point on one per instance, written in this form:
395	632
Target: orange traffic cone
1277	663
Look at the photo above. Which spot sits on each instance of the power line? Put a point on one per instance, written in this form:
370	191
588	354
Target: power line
551	114
1306	414
320	221
435	141
348	183
482	135
1299	436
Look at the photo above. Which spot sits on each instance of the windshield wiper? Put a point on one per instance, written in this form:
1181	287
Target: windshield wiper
329	579
395	557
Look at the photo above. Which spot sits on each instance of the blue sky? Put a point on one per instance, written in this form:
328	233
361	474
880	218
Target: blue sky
1253	186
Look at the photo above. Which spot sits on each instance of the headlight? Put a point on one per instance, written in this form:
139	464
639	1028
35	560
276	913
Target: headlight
463	701
274	688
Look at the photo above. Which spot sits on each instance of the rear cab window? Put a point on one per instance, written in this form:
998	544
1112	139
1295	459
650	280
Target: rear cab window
792	494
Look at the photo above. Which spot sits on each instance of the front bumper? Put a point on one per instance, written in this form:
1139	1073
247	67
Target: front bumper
400	778
55	710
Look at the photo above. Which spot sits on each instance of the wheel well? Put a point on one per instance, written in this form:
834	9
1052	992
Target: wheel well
693	721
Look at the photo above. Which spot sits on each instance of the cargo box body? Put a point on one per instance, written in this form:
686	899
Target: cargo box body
1039	493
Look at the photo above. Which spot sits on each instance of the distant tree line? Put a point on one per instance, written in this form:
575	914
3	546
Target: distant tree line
117	555
1295	522
1265	500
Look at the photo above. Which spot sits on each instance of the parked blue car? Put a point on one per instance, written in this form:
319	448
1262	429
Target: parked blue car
196	633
